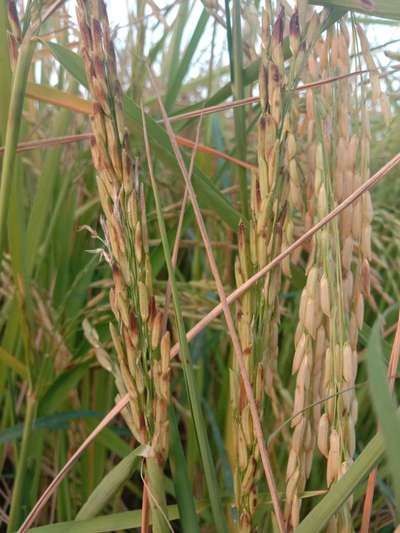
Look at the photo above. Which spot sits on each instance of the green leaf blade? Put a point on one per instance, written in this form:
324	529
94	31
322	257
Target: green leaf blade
109	485
385	406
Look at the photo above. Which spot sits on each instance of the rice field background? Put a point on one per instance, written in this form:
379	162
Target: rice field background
200	268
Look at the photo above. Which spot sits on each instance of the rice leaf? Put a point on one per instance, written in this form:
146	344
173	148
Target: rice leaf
52	422
180	476
109	485
12	362
317	519
182	70
378	8
236	56
111	440
58	98
100	524
5	85
59	390
46	183
385	406
171	57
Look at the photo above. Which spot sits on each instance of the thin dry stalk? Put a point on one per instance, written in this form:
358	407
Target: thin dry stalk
175	249
50	490
377	95
212	151
183	141
53	141
255	99
144	527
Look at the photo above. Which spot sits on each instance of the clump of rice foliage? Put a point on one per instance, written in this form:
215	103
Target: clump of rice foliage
92	203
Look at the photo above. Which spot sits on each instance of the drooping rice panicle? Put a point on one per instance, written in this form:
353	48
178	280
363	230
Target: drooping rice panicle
337	281
310	345
142	368
275	196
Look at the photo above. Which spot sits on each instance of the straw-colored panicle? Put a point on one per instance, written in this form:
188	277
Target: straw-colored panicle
338	269
14	36
311	333
18	33
337	363
323	360
275	190
347	179
312	72
275	196
308	360
332	303
247	454
351	168
358	285
143	366
377	95
322	338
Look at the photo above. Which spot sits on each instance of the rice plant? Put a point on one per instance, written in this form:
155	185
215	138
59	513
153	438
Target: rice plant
199	243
